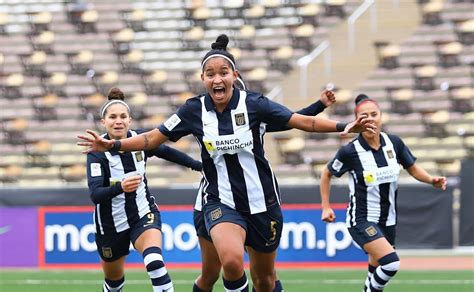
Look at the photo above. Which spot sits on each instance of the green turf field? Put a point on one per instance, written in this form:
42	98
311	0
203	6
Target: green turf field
293	280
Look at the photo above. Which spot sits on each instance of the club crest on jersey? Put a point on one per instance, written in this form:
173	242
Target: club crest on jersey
371	231
239	119
138	156
107	252
390	154
216	214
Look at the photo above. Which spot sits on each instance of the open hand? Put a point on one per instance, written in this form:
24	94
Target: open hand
96	143
361	124
327	97
328	215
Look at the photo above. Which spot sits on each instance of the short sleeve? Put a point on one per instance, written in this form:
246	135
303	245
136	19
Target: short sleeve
404	155
271	112
340	163
179	124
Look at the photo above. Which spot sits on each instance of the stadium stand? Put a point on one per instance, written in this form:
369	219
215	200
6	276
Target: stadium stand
59	58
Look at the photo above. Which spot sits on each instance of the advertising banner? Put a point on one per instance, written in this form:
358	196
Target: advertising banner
67	238
18	237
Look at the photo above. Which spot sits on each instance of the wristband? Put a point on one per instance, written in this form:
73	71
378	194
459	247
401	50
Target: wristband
340	126
117	145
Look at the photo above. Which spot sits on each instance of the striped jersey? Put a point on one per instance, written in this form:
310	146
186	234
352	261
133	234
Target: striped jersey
236	172
116	211
311	110
373	178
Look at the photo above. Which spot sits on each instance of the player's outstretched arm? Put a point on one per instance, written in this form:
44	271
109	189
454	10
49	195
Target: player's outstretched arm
317	124
326	99
146	141
422	175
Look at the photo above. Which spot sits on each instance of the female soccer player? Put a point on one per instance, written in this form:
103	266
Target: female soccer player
241	201
210	264
373	162
125	210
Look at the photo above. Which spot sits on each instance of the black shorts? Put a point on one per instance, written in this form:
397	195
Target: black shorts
366	232
111	247
263	229
200	225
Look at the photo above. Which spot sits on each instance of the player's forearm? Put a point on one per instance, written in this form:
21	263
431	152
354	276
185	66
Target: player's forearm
420	174
325	188
312	124
146	141
102	194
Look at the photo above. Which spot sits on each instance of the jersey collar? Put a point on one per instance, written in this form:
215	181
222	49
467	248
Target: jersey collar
115	152
233	103
366	146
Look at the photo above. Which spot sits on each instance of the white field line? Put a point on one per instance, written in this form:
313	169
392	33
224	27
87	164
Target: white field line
190	282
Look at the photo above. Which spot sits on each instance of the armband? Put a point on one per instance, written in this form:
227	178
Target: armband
340	126
117	145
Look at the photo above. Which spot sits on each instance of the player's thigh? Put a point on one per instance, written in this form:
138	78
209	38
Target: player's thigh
114	270
227	228
149	238
378	248
211	264
146	232
228	239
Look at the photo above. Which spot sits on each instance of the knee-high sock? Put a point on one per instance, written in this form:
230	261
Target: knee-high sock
240	285
156	270
197	289
389	266
371	270
278	287
113	286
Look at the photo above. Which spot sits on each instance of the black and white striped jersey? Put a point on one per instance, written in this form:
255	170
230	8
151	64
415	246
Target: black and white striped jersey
373	178
115	210
311	110
235	170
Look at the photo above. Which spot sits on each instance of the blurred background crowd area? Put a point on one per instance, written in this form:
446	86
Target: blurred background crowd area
58	59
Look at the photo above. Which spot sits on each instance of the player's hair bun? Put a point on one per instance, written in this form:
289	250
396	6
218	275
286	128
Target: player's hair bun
221	43
361	97
115	93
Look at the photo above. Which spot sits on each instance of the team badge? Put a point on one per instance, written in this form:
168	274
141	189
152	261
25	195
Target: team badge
216	214
138	156
390	154
107	252
239	119
371	231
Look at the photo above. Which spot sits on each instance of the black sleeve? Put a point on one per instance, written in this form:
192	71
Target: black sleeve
175	156
96	180
311	110
404	155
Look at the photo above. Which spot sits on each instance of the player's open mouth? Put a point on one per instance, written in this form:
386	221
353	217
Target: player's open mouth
219	91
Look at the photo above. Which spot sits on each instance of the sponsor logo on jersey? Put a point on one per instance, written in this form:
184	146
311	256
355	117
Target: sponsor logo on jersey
95	169
172	122
337	165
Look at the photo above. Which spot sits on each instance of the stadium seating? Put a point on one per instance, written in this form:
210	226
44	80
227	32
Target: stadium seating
59	58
